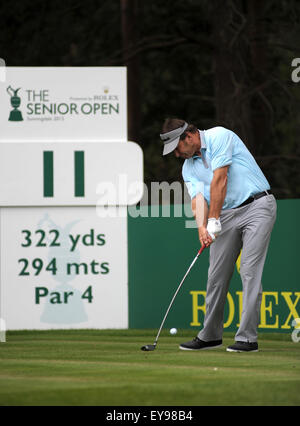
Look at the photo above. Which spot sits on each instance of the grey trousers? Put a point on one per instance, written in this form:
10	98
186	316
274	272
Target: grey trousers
248	228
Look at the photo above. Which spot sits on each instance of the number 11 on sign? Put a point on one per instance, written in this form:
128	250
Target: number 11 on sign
48	163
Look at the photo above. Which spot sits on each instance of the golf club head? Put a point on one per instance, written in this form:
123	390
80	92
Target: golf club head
148	348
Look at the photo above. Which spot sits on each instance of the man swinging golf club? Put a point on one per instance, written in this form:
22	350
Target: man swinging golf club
234	209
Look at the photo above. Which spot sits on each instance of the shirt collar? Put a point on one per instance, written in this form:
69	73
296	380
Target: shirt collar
202	149
202	138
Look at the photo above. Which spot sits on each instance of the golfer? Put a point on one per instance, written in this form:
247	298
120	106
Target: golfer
234	209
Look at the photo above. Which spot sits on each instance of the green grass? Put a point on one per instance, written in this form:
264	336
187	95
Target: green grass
91	367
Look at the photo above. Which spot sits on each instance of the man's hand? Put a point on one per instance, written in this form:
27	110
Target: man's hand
200	210
206	238
214	226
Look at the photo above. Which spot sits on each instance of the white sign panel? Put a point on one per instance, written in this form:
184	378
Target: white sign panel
67	175
63	268
70	174
64	233
76	103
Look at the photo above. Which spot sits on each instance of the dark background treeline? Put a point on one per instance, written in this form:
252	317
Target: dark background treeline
210	62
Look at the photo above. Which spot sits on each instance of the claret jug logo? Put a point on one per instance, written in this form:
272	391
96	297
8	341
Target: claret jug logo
15	101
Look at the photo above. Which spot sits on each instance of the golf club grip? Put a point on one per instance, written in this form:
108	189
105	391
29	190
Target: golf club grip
201	250
176	292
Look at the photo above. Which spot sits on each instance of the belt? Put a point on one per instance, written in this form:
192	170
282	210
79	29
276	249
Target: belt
254	197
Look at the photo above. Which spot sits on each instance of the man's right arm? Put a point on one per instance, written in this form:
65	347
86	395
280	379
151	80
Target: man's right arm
200	211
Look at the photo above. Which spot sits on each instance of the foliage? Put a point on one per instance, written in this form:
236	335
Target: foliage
207	61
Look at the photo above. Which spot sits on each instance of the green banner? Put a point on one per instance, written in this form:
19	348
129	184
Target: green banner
161	250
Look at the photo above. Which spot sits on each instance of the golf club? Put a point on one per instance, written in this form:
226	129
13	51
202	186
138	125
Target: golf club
152	347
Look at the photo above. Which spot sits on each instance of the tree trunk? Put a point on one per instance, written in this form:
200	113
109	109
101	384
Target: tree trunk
129	11
230	70
260	107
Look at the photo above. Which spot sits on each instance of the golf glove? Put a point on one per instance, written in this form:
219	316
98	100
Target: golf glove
212	236
214	226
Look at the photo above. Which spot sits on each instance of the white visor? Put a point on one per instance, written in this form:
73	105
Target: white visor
171	139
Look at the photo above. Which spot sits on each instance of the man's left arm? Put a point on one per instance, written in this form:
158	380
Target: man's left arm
218	189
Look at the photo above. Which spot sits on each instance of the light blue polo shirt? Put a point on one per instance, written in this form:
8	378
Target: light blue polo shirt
221	147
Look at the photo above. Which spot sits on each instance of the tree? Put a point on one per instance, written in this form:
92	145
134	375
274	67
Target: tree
210	62
129	17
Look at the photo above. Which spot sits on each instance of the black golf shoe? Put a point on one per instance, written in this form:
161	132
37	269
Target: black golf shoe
243	347
196	345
